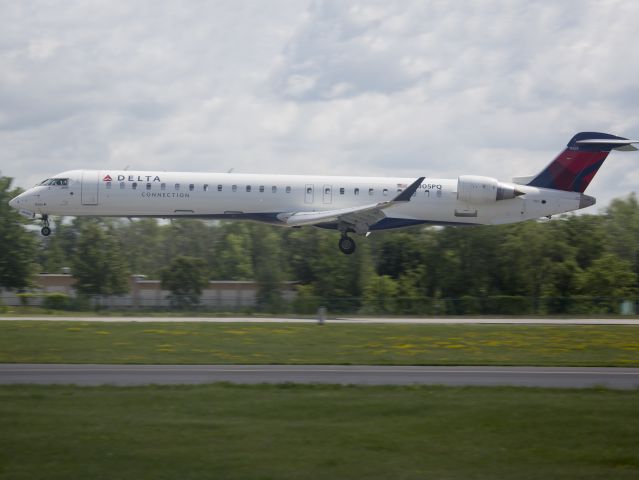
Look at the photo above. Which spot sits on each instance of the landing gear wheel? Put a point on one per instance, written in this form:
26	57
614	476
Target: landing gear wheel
46	231
346	245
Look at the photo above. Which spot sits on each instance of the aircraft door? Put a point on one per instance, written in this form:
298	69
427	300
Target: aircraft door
308	195
89	188
328	193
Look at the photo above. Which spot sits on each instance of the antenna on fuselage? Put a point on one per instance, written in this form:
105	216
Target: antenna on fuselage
126	168
231	170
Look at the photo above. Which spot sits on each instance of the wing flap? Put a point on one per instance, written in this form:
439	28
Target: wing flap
311	218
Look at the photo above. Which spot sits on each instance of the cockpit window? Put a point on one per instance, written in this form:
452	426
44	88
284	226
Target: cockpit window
62	182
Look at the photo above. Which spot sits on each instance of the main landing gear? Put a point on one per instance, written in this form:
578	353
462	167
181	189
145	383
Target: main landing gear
46	231
346	244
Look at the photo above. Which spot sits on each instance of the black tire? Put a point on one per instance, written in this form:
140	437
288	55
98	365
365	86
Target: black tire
46	231
347	245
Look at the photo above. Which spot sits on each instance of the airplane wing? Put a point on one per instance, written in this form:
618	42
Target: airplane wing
360	218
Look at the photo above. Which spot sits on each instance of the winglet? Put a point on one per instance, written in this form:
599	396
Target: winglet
406	194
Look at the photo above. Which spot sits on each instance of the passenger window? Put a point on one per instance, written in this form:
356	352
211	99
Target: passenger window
370	191
261	188
341	191
206	187
385	192
309	190
248	188
274	189
191	187
219	188
234	188
163	186
134	185
108	185
288	189
177	186
357	191
122	185
148	186
327	190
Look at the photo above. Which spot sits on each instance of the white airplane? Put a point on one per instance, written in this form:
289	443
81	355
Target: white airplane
348	204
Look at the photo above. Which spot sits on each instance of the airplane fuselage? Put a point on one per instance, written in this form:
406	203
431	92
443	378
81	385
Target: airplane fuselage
267	197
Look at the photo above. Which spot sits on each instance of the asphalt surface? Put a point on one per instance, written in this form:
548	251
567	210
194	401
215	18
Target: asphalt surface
565	377
350	320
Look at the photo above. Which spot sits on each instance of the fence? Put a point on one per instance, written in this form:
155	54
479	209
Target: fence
247	301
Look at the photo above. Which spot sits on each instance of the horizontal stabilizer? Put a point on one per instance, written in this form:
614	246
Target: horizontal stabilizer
523	180
622	144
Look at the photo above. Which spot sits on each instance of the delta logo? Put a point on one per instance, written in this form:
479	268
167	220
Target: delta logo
133	178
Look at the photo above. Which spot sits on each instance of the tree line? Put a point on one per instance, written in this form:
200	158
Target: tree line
570	264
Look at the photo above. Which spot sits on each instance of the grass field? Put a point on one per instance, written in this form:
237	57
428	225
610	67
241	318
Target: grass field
315	432
208	343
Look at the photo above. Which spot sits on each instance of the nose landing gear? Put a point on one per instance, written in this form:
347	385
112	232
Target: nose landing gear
46	231
346	244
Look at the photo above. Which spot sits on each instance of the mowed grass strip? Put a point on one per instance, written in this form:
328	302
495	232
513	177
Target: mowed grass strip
316	432
233	343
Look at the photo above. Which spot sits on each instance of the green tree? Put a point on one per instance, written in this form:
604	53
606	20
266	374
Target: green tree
609	276
17	245
142	242
380	295
622	225
302	246
409	298
98	263
233	259
52	255
188	237
267	267
588	235
527	256
185	277
399	253
340	279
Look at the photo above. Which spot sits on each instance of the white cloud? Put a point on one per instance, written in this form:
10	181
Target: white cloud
342	87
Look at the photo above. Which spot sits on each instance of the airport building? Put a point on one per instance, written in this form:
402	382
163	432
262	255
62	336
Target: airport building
144	293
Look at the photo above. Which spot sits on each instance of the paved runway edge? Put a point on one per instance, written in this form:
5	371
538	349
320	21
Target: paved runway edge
337	321
128	375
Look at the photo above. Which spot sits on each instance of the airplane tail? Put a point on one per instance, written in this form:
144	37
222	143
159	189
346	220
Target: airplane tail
576	166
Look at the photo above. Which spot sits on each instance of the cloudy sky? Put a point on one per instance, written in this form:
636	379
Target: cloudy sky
401	88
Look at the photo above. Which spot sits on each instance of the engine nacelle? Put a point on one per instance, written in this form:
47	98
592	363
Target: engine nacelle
476	189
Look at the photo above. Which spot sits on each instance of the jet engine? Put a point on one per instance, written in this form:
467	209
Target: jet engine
476	189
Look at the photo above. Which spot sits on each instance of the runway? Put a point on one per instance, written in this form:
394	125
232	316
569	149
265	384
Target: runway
337	321
564	377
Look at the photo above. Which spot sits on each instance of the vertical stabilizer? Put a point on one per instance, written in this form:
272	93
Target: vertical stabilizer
576	166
